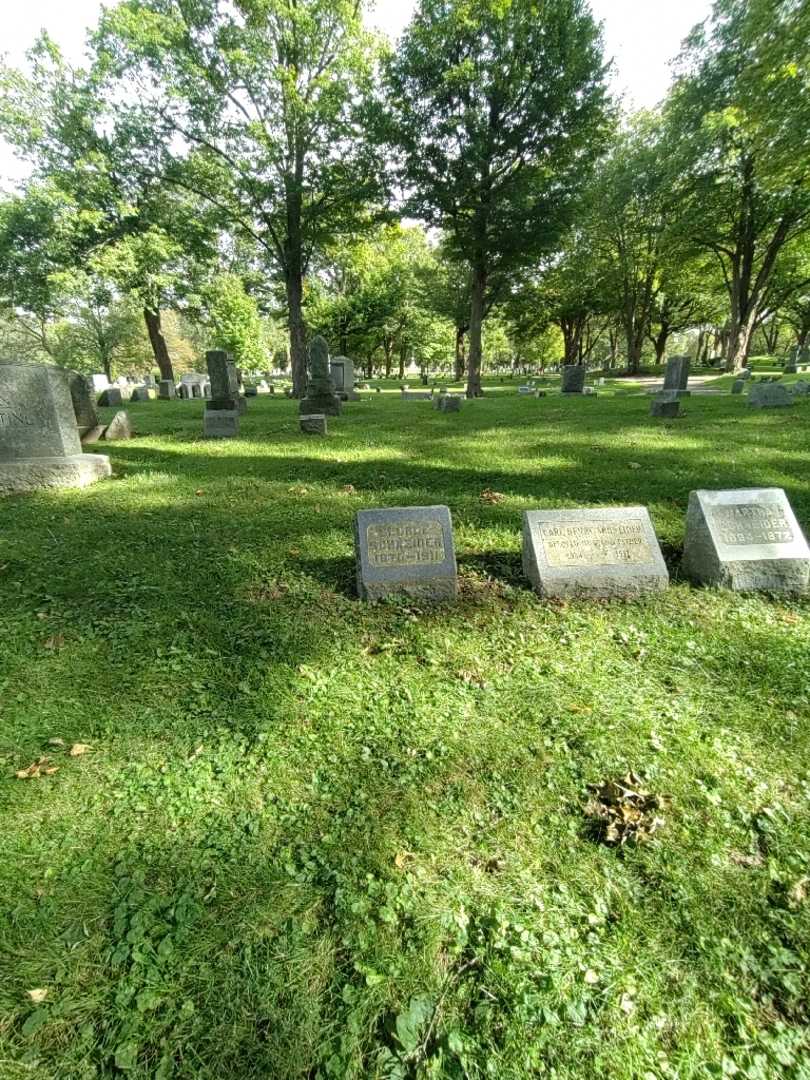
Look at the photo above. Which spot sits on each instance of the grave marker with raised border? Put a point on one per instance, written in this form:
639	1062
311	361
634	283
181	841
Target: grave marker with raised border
406	550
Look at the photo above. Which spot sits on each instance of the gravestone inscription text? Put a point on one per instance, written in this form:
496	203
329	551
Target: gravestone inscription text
415	543
584	543
745	524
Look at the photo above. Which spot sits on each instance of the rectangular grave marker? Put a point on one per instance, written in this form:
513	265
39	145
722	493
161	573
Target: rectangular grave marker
405	550
610	552
746	540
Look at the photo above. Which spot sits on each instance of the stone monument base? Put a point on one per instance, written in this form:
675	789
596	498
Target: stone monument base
329	406
220	423
33	474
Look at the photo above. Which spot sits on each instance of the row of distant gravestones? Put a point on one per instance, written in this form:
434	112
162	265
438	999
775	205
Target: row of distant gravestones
746	540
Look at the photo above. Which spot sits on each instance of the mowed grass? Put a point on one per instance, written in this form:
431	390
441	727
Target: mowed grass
314	838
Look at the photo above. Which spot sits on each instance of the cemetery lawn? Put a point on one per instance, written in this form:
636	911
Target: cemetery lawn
303	837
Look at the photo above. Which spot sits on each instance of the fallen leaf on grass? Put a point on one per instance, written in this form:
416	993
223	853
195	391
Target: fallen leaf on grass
490	496
37	996
624	811
294	551
635	465
750	861
348	489
200	491
56	742
591	977
55	642
42	767
78	749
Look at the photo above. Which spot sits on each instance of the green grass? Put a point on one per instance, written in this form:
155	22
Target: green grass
315	838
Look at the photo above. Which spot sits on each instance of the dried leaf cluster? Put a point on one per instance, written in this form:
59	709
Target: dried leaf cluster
624	811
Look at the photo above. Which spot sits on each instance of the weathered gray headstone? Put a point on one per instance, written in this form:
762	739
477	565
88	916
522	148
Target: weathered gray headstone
113	396
746	540
223	379
167	390
449	403
39	439
314	424
800	388
84	405
143	393
525	391
769	395
415	395
321	396
676	377
342	372
221	423
573	378
738	386
666	404
118	429
611	552
406	550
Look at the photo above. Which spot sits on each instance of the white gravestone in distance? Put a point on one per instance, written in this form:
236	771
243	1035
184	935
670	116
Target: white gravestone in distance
601	553
746	540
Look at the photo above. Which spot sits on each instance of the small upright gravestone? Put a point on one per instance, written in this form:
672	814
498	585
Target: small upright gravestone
605	553
314	424
84	405
221	416
573	378
118	429
321	396
166	390
676	377
39	439
738	386
144	393
111	397
746	540
769	396
405	550
342	372
449	403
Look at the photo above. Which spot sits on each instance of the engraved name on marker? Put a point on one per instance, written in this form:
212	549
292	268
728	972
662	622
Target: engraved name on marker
413	544
580	543
751	524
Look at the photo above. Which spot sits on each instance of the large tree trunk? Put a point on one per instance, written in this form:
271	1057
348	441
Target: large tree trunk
298	341
635	346
739	341
387	347
403	356
158	342
479	288
460	362
660	343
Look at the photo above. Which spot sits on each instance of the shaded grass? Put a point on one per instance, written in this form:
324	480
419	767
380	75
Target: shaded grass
315	838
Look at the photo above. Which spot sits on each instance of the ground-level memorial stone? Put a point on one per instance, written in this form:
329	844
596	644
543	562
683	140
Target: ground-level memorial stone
321	396
406	550
314	424
39	439
604	553
666	404
573	378
746	540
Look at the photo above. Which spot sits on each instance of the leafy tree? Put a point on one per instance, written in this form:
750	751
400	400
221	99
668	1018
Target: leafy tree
256	108
737	120
234	319
497	109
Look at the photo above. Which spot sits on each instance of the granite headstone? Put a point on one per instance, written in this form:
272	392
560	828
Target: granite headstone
406	550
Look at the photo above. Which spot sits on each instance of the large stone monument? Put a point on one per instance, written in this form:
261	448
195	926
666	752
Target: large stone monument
39	439
746	540
676	376
221	416
342	371
321	396
405	550
605	553
573	378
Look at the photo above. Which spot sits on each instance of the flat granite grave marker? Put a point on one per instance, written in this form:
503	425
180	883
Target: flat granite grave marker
405	550
600	553
746	540
39	439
